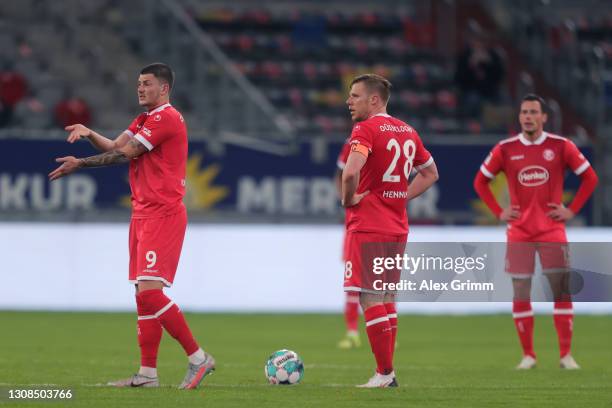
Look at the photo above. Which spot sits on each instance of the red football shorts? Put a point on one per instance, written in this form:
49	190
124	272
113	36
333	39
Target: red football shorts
364	269
155	247
520	258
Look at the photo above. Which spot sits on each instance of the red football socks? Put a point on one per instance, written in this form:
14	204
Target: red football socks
351	311
523	320
392	316
563	315
170	317
379	334
149	334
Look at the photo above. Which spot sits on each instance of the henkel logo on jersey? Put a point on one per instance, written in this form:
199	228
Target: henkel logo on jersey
532	176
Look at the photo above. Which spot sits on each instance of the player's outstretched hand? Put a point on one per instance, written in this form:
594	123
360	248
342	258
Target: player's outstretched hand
511	213
77	132
559	212
69	165
356	199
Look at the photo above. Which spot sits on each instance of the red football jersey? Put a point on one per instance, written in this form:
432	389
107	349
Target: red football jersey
343	155
535	172
157	178
395	149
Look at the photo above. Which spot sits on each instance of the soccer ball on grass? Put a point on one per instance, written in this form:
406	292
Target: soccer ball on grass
284	367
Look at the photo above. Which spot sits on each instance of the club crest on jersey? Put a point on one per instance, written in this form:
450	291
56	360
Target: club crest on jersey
157	117
548	155
532	176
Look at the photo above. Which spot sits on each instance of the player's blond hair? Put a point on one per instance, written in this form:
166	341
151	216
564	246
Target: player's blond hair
375	84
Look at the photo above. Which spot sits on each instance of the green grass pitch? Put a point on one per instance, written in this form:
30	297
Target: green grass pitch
441	361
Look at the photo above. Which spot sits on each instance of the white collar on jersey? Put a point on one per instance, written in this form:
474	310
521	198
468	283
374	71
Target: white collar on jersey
384	115
159	109
538	141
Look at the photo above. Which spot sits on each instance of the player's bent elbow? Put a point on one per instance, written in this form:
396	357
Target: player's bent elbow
431	172
348	176
594	178
479	181
435	176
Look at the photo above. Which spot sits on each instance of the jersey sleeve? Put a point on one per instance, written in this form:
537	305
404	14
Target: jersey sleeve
362	136
574	159
343	155
156	129
133	128
422	157
494	163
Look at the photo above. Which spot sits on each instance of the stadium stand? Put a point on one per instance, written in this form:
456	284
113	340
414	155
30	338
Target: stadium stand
302	61
73	49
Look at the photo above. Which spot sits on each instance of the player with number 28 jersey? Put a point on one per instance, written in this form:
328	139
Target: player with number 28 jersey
394	149
375	191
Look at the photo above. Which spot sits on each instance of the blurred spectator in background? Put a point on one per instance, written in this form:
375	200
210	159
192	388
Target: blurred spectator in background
32	112
71	110
13	87
479	73
24	50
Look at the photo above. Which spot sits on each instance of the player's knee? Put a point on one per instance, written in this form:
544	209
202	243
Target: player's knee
522	289
367	300
148	285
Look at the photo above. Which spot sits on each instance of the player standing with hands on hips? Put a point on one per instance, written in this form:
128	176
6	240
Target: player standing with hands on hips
534	163
375	191
155	146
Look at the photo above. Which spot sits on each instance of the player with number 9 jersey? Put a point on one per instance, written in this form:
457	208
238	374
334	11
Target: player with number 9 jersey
155	145
157	181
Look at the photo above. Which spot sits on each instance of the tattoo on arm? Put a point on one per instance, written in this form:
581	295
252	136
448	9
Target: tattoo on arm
105	159
139	147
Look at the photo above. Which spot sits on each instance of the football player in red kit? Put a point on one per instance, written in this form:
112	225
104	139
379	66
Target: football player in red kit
375	191
534	163
155	146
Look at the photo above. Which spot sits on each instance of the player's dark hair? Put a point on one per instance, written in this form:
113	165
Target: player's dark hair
160	71
536	98
376	84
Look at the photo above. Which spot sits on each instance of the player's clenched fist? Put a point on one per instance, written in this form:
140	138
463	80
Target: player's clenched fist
77	132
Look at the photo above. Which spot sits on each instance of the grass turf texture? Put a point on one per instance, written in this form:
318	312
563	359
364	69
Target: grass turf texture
442	361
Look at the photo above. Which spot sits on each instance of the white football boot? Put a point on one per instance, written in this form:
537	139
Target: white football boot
137	380
381	381
197	372
527	363
568	363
